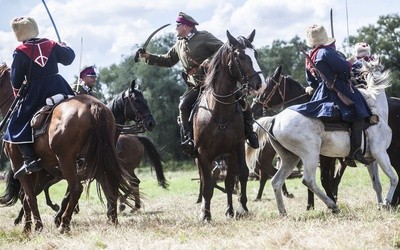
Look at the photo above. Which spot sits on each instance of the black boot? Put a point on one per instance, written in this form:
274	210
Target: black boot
251	136
31	164
355	149
187	143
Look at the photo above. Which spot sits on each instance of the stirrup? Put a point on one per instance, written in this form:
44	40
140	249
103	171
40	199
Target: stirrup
349	161
188	147
28	168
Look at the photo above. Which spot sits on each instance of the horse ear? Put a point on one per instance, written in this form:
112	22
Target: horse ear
231	39
277	72
251	37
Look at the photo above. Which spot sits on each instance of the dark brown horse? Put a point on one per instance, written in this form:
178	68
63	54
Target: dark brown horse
330	174
79	126
218	119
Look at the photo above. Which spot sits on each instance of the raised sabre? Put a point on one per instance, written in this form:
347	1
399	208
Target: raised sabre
52	21
143	48
333	35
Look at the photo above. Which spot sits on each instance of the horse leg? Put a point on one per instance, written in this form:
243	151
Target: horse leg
243	178
310	167
19	217
49	202
64	202
285	167
263	180
230	184
30	204
384	161
376	183
75	189
207	186
137	195
310	200
327	167
200	197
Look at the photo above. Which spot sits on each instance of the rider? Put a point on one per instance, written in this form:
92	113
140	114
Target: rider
361	52
326	102
35	62
86	82
194	49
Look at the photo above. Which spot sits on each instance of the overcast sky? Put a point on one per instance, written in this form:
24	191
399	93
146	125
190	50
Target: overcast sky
110	29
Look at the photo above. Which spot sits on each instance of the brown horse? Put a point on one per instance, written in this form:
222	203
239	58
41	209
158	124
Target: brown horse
128	105
218	119
79	126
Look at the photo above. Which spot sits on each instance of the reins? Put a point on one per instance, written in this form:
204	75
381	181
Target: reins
282	94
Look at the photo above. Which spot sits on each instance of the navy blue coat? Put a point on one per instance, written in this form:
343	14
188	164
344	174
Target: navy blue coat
40	67
337	70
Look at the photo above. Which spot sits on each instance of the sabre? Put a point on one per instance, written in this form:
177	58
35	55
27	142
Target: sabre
143	49
52	21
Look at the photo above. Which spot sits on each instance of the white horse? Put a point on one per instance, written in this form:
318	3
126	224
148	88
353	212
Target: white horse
295	136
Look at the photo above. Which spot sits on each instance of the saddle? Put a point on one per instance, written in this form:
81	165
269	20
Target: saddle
335	122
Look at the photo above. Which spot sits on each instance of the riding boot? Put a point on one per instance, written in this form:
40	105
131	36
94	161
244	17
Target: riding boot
31	164
187	143
251	136
355	149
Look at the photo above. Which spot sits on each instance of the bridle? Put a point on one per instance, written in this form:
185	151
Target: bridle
129	102
281	92
245	80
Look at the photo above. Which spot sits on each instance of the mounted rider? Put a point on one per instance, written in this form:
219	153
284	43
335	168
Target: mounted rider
194	49
361	52
87	81
326	101
35	63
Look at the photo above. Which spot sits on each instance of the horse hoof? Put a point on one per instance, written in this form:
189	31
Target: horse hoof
64	229
229	213
290	196
38	227
335	210
122	207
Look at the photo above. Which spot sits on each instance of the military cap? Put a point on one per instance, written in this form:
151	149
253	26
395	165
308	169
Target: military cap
186	19
87	71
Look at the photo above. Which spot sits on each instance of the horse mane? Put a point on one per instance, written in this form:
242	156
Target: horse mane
375	77
217	63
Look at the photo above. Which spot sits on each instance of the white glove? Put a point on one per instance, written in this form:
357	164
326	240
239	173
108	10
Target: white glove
310	90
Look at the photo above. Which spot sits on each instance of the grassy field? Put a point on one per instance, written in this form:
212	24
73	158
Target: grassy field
170	220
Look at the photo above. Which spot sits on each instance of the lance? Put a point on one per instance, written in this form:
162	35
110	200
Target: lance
52	21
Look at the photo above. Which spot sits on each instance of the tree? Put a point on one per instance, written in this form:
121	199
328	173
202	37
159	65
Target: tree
384	40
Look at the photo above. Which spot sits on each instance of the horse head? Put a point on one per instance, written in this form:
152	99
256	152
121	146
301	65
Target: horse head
131	105
264	100
247	70
136	107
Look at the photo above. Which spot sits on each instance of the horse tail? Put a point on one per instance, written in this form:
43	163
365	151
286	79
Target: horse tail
13	189
155	158
101	157
259	127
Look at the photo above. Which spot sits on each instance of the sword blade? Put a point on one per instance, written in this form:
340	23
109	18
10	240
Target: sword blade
52	21
152	34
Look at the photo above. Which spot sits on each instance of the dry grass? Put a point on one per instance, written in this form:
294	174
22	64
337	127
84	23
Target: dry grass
170	220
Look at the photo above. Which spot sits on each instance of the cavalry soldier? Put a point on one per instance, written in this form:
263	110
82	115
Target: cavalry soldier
194	49
35	63
327	101
87	80
361	52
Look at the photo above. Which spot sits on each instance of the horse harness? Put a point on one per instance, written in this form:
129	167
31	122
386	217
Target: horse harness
282	94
